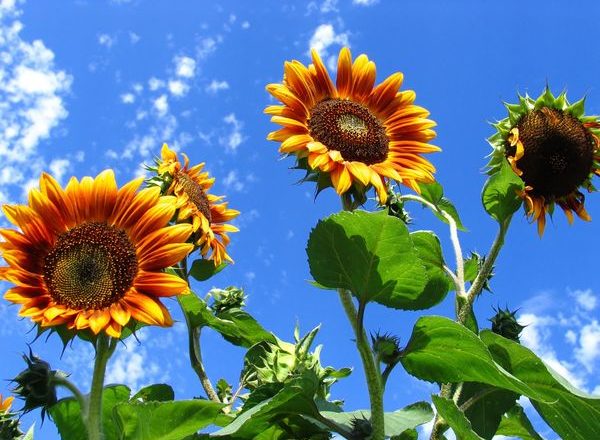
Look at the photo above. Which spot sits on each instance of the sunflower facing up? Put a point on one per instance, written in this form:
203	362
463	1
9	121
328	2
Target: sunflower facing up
554	148
91	256
354	133
208	217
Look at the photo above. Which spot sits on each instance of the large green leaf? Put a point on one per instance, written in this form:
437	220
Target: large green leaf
203	269
487	404
573	414
235	325
455	418
395	422
165	420
441	350
429	251
500	193
516	424
66	414
159	392
295	398
370	254
434	193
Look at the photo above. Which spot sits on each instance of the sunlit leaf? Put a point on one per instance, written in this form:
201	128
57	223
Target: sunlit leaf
500	195
455	418
515	423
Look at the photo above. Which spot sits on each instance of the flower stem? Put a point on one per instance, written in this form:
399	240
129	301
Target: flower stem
371	369
372	373
484	272
194	344
66	383
105	347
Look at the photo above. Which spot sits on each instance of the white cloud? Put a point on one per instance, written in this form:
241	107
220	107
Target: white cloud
178	88
235	137
364	2
185	67
155	83
133	37
31	99
232	181
131	366
161	105
245	25
106	40
127	98
589	345
206	47
325	36
215	86
585	299
58	168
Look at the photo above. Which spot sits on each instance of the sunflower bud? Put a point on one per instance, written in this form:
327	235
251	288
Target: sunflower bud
361	429
9	423
395	208
505	324
226	299
35	384
386	348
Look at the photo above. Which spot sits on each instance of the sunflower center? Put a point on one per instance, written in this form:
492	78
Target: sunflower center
196	194
90	267
351	129
558	152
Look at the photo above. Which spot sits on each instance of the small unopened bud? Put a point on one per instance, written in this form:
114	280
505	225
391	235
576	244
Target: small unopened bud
505	324
226	299
35	384
386	348
361	429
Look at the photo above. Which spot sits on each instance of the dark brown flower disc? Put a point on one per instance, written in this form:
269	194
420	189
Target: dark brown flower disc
90	267
558	152
349	128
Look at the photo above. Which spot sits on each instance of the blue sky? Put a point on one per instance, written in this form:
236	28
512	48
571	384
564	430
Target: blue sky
86	85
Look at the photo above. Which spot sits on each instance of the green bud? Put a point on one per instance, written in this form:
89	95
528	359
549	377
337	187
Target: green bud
9	427
226	299
395	208
386	348
505	324
361	429
35	384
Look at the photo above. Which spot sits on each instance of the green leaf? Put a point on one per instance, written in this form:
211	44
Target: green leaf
165	420
409	434
434	193
235	325
159	392
203	269
441	350
571	413
515	423
500	193
29	434
295	398
66	414
429	250
396	422
370	254
488	405
455	418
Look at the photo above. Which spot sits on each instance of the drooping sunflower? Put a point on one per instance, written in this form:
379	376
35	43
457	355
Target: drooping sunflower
554	148
354	133
208	217
6	403
91	256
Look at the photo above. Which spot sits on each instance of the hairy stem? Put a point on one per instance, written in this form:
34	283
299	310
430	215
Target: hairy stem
105	347
66	383
372	373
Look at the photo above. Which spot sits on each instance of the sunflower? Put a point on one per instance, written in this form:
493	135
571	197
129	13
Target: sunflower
91	256
5	404
208	217
355	134
554	148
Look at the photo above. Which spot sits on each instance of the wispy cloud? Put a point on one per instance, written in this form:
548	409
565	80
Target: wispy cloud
216	86
234	137
323	38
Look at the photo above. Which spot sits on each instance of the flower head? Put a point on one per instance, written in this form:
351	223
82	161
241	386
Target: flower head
91	256
208	217
554	148
351	135
36	385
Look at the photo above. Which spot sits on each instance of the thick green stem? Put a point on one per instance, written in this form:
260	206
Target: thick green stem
484	272
105	347
194	345
372	373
